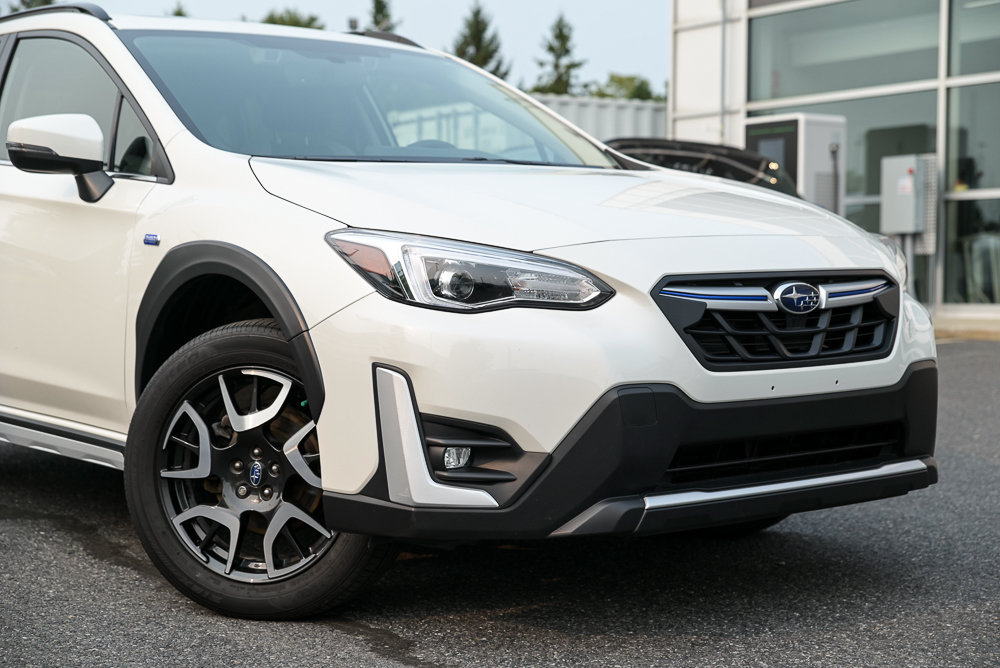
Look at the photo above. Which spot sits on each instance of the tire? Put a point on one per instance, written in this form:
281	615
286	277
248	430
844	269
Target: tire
206	462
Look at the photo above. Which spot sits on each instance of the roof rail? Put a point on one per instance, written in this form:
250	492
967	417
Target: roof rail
81	7
387	36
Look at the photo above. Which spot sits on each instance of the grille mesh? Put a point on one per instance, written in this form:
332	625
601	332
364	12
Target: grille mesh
749	336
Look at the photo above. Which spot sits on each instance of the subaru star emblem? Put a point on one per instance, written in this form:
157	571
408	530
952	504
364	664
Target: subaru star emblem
256	472
798	298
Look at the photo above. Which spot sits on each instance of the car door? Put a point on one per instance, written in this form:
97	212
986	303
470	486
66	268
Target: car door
63	261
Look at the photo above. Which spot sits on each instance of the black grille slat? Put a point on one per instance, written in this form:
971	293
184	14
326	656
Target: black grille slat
798	453
773	458
738	339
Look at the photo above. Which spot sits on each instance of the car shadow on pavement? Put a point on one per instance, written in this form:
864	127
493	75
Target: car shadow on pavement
671	584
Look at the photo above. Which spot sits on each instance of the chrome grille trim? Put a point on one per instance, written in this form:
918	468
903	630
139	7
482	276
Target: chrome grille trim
725	298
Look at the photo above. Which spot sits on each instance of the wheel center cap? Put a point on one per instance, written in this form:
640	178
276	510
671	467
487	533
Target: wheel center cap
256	474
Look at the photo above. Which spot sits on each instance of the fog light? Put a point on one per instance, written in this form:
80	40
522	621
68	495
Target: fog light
456	458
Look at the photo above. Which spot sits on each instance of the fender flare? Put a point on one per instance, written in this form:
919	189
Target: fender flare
192	260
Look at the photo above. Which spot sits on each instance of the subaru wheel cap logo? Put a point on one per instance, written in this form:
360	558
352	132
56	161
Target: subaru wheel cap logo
256	472
798	298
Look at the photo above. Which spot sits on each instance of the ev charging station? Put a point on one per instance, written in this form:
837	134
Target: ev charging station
810	148
909	204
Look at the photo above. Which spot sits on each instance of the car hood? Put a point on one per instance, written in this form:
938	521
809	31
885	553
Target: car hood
534	207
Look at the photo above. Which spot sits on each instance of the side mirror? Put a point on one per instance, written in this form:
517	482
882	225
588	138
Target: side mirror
62	144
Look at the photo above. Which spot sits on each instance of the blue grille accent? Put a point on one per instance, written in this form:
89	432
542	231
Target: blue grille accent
728	298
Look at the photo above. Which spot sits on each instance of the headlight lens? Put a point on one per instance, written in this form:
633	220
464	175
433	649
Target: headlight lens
898	256
465	277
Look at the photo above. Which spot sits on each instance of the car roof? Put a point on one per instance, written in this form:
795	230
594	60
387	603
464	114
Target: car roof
170	23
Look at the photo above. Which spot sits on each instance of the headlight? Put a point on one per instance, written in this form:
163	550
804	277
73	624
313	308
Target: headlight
898	256
465	277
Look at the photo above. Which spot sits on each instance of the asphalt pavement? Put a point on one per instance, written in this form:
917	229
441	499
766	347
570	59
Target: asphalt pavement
909	581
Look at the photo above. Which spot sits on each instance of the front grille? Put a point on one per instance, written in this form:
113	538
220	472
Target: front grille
741	336
745	329
773	456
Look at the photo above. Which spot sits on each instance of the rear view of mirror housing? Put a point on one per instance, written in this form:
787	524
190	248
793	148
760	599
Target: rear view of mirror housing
62	144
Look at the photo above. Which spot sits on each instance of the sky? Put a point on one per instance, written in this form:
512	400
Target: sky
620	36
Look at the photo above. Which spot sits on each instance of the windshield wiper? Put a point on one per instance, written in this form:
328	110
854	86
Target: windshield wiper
508	161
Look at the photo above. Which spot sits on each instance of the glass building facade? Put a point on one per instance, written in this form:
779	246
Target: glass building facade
909	77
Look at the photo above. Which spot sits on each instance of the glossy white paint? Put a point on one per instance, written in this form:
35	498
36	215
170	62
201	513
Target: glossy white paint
530	207
66	135
73	276
64	274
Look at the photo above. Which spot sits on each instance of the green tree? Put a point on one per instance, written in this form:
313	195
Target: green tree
178	10
476	44
627	86
382	17
27	4
560	64
292	17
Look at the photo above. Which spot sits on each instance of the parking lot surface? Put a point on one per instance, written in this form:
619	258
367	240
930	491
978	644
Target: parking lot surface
909	581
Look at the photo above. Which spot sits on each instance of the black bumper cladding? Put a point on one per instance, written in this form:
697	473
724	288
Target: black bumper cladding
648	459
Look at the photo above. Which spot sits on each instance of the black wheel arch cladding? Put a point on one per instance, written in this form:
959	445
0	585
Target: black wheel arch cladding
190	261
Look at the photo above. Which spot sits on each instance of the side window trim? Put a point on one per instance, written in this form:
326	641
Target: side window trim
6	46
162	171
113	141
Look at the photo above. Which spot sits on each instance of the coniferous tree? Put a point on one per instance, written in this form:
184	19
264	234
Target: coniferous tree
560	65
292	17
27	4
382	17
476	44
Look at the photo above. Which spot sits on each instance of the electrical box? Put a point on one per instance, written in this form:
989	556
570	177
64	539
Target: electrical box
810	148
909	194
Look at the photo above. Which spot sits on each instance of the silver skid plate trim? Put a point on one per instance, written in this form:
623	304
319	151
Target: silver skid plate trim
690	498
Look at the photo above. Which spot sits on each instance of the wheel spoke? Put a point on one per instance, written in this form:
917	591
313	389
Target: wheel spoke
279	522
204	448
255	417
219	515
299	460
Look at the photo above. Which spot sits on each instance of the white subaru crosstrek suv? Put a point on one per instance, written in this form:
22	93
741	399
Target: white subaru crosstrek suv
318	293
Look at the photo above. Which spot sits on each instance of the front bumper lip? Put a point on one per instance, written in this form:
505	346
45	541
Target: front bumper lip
695	509
659	501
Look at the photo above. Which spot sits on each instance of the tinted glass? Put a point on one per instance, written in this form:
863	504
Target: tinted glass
133	146
972	263
319	99
843	45
975	37
974	137
53	76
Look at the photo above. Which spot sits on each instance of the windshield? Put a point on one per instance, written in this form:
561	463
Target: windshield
317	99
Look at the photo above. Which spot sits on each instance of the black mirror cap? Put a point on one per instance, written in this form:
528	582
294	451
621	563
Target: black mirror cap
92	182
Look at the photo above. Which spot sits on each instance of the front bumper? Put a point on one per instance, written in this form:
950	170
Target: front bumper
612	472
